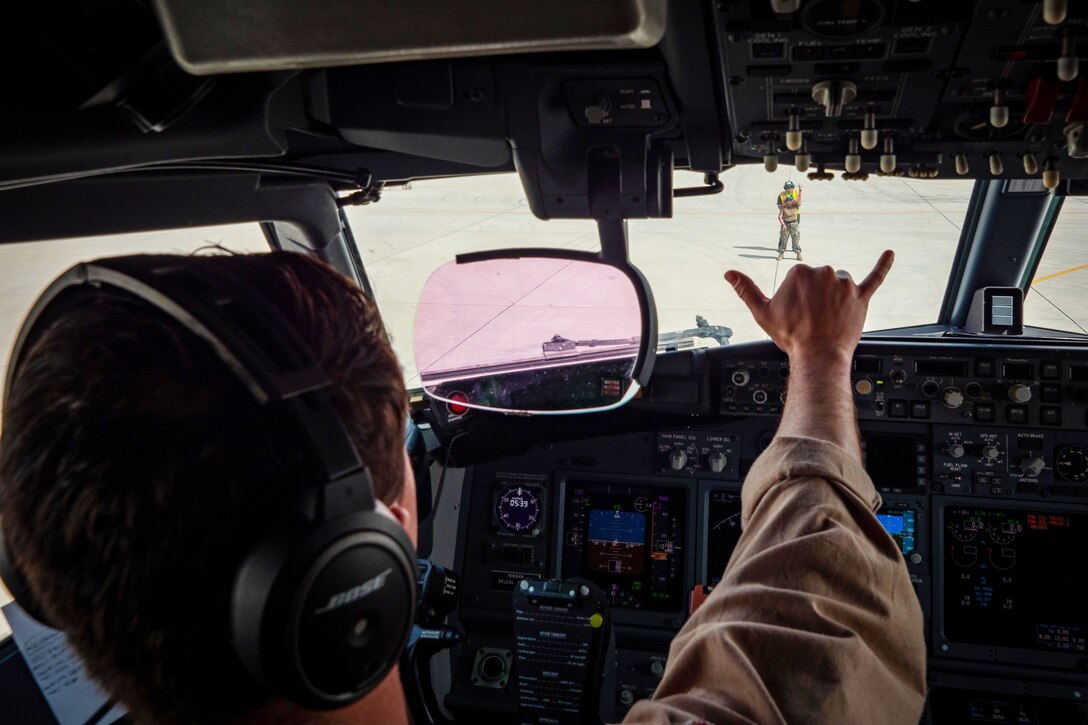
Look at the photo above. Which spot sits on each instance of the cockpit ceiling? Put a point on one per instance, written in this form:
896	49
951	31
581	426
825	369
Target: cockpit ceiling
924	89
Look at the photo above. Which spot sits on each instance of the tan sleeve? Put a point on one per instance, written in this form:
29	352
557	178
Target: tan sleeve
815	620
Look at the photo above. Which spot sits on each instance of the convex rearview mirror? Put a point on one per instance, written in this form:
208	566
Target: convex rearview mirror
535	331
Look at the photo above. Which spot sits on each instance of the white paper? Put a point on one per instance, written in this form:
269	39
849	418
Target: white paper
72	696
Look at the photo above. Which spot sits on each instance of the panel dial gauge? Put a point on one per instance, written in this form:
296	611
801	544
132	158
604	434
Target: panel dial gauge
1072	463
519	509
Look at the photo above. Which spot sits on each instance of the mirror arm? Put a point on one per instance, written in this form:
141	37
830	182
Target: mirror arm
613	233
604	174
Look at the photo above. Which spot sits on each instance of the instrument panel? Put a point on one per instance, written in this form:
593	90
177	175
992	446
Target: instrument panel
981	458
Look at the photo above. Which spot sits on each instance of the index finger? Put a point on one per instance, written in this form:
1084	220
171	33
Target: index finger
872	282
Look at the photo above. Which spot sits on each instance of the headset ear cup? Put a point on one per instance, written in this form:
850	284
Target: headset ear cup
322	616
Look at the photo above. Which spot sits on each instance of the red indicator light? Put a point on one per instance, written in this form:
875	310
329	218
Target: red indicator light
456	404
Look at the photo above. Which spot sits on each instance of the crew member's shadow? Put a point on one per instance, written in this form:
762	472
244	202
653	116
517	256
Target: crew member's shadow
760	249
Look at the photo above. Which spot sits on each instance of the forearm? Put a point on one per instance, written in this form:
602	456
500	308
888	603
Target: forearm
819	401
815	607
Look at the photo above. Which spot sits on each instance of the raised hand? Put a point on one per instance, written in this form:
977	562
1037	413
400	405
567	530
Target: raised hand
816	311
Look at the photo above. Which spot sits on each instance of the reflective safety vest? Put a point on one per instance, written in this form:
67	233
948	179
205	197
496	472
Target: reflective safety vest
785	197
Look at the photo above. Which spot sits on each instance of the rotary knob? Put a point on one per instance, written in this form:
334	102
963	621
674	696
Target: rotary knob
599	110
952	397
1032	466
627	697
678	459
717	461
657	667
990	453
956	450
1019	393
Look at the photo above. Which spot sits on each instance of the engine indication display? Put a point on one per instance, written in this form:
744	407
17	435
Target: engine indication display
722	532
1003	584
518	509
628	540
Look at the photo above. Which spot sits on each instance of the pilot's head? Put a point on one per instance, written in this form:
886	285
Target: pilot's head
135	470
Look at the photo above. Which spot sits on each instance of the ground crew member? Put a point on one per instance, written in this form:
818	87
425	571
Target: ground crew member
789	219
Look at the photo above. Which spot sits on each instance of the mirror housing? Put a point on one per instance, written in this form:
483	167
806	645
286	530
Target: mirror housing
541	331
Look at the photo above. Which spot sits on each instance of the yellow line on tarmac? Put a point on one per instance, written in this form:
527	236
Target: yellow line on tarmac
1058	274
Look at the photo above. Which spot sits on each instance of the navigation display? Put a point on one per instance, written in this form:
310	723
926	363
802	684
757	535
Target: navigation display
1007	583
899	522
628	540
722	532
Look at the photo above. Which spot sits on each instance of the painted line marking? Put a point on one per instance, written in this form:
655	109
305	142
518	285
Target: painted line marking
1058	274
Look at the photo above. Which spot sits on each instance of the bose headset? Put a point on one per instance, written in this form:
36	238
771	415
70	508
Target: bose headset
319	612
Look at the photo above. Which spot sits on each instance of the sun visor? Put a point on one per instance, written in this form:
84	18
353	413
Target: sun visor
228	36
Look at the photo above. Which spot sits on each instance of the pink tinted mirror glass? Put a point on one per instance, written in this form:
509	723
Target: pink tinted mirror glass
529	334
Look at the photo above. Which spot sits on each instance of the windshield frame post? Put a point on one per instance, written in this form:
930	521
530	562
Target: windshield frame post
999	246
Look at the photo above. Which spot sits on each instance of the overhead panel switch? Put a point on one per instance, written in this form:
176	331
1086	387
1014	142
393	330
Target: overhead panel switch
620	103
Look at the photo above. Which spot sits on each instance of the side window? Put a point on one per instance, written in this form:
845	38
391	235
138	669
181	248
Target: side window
1056	295
26	268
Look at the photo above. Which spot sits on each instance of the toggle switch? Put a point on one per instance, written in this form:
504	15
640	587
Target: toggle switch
961	164
803	159
996	166
1054	11
770	157
852	162
869	135
794	137
1051	175
1031	166
1068	63
999	111
887	159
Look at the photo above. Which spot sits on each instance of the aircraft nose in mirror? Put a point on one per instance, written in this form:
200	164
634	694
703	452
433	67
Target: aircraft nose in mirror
529	334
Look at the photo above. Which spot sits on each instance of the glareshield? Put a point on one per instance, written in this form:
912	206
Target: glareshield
528	334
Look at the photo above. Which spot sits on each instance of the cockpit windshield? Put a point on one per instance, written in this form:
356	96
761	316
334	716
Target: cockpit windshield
416	229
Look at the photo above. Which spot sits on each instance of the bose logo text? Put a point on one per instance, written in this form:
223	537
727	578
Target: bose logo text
355	593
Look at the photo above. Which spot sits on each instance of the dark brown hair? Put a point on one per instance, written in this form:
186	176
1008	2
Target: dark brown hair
136	471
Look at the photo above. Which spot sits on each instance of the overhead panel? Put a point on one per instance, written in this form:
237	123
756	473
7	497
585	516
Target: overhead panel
920	89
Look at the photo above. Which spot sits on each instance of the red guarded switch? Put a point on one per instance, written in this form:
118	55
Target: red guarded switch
1078	107
1039	99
